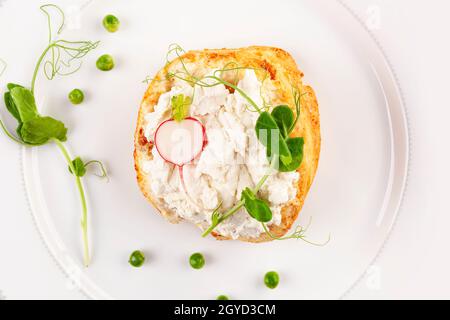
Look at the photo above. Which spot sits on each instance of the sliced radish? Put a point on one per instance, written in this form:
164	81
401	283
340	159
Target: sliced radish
180	142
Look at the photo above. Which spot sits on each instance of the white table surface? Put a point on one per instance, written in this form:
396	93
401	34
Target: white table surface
416	260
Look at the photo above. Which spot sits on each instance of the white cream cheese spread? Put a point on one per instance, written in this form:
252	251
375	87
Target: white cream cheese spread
232	160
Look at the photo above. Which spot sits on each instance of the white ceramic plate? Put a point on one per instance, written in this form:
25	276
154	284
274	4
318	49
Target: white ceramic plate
355	197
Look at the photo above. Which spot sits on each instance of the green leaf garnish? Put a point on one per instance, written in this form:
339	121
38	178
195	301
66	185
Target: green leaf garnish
40	130
33	129
270	136
9	102
24	103
11	106
64	56
79	166
180	107
284	117
257	208
295	146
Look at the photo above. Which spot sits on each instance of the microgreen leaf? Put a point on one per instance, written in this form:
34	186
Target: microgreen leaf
79	167
284	117
40	130
295	146
21	105
257	208
270	136
60	57
24	102
180	107
9	102
11	86
11	106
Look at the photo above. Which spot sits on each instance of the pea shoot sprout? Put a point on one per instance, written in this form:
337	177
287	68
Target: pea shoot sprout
217	217
64	57
60	57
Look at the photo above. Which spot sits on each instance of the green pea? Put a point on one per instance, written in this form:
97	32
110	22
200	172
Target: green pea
197	261
105	62
76	96
137	259
223	297
271	279
111	23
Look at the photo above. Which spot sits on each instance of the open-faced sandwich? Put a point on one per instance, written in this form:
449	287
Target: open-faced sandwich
229	140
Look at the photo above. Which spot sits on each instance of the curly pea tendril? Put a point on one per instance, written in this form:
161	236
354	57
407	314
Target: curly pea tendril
60	57
64	57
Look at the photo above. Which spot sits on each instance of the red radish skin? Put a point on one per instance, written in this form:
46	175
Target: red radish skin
164	135
165	132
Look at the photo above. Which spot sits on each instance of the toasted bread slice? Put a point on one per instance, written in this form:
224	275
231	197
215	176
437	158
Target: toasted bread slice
284	74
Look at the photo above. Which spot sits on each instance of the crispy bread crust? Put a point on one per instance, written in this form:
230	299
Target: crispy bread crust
284	74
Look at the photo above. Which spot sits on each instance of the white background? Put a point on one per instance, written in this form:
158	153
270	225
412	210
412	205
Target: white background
415	262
